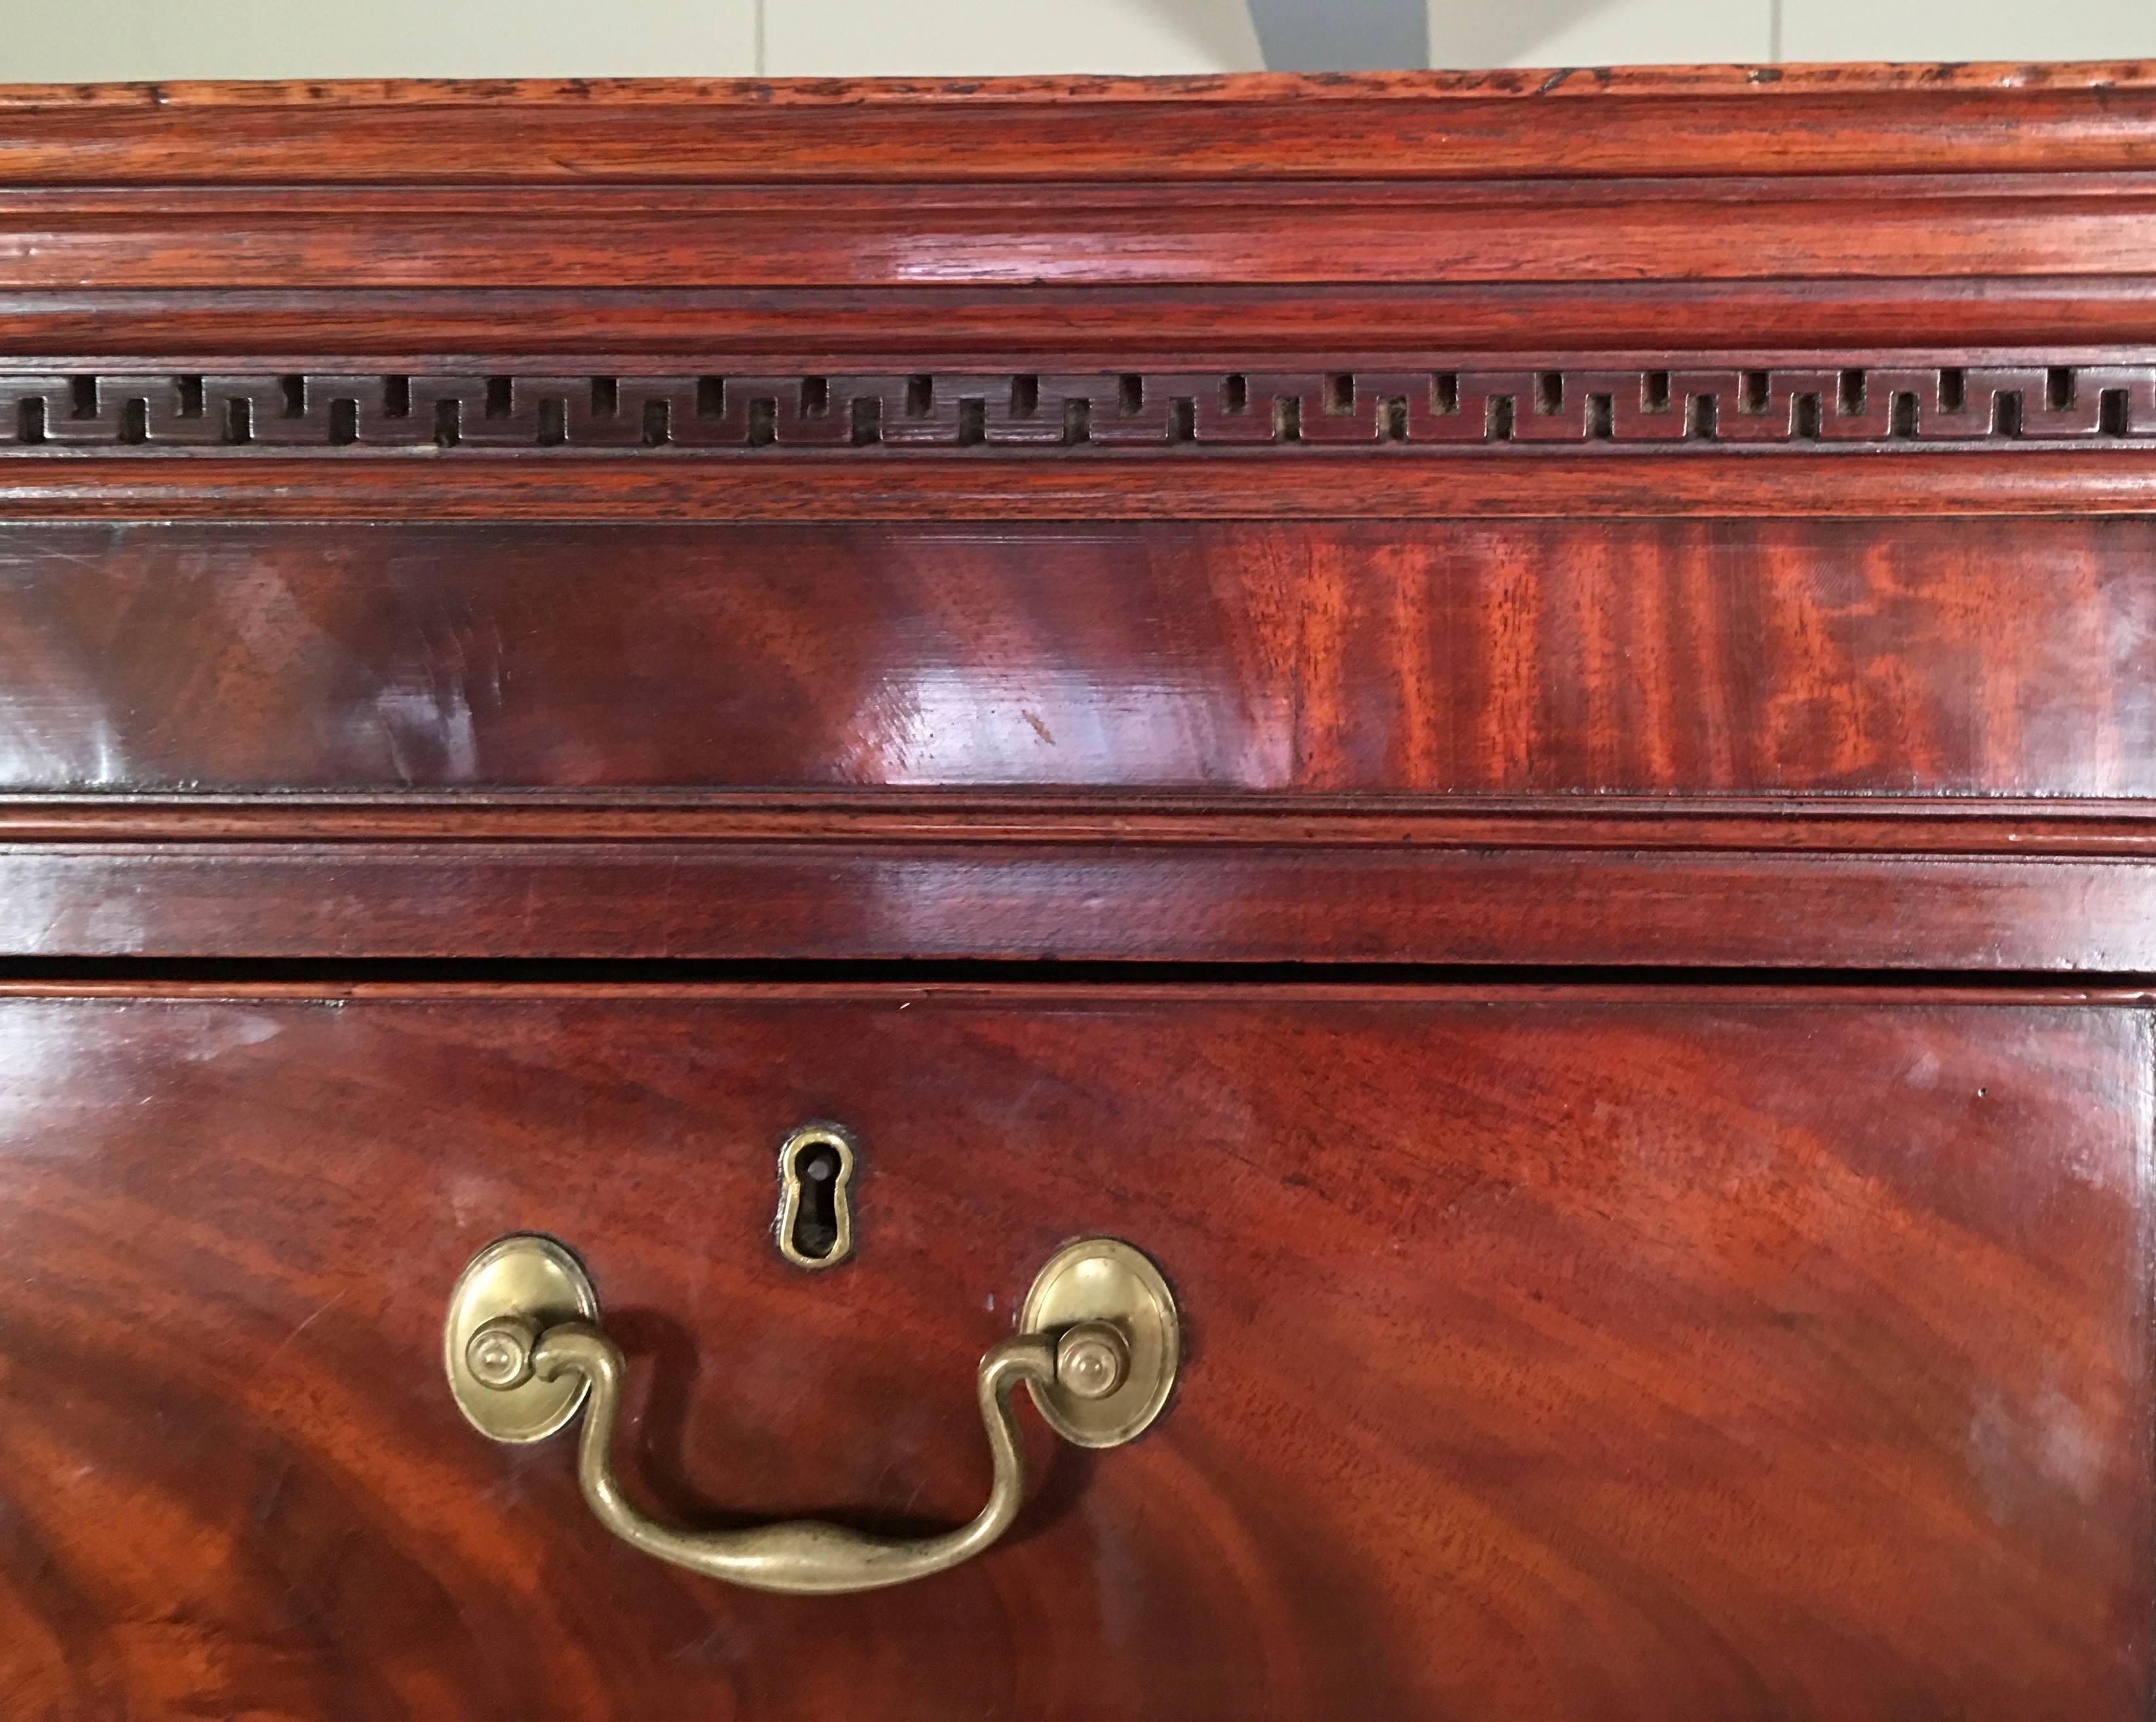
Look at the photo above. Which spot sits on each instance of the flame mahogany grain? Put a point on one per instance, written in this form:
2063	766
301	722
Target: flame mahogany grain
1672	659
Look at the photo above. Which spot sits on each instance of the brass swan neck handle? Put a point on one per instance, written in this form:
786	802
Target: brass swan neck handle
1097	1350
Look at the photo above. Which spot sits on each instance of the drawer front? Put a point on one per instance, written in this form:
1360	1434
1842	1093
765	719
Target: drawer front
1546	1355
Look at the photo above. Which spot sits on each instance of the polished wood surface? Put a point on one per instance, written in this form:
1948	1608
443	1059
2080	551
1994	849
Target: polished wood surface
752	683
960	485
1550	1354
1625	122
1939	658
850	236
1703	405
1958	207
2092	319
837	900
484	564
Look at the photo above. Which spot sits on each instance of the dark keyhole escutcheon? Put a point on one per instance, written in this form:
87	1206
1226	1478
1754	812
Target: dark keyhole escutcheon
815	1226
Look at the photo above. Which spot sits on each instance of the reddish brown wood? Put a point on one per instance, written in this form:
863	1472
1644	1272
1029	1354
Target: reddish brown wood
1013	900
2055	320
1594	208
1707	525
1483	404
1712	120
1895	825
1705	404
414	237
1547	1358
1377	483
1926	658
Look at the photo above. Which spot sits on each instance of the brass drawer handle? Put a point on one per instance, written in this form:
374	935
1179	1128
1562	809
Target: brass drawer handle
1097	1346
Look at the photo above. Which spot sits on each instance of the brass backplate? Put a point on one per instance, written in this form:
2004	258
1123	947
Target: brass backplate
1105	1279
538	1281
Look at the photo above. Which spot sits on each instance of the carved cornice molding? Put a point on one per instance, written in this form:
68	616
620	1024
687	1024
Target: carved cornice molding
1695	408
1386	126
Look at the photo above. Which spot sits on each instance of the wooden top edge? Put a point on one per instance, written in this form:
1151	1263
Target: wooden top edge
1789	993
1689	121
1569	83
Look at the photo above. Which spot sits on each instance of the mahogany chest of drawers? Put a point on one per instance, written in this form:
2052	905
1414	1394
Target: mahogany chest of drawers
1384	847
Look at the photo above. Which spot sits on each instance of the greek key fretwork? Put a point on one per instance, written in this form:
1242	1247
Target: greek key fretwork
1127	410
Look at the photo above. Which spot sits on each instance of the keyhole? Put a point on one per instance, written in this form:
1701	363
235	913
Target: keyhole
816	1223
815	1218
